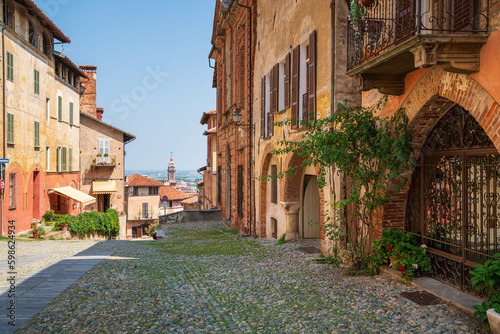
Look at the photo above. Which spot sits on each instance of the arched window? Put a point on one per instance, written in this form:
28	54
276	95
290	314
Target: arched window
31	33
47	45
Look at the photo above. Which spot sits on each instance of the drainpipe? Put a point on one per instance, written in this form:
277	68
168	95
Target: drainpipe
250	121
3	112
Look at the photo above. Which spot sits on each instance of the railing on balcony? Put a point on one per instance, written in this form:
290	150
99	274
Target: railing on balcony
109	161
386	23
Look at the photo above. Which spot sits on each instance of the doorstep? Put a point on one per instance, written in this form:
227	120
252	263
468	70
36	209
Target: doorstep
440	289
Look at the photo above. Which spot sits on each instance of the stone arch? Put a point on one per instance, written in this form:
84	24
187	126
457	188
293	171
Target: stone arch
265	163
290	189
440	90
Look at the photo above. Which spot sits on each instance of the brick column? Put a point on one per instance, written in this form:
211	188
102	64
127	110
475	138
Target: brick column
292	219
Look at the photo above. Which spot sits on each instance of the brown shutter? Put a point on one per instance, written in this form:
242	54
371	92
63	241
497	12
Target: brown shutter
263	107
276	78
271	102
288	60
295	87
463	11
312	76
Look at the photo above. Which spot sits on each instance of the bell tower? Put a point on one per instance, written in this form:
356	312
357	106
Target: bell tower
171	169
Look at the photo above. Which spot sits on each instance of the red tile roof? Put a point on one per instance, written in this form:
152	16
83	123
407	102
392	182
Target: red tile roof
173	194
136	180
191	200
210	131
206	116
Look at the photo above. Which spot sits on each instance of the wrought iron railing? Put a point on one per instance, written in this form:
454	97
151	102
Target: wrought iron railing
386	23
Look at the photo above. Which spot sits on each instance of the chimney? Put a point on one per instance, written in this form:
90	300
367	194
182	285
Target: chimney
99	112
88	100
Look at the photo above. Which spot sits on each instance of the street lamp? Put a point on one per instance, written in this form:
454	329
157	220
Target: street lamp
237	119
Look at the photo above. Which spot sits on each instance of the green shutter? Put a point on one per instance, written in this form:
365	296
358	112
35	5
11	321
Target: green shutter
70	159
10	67
10	129
36	76
37	134
71	113
59	108
58	154
63	158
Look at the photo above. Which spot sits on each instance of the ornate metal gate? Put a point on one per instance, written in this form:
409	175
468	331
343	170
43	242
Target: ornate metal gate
454	200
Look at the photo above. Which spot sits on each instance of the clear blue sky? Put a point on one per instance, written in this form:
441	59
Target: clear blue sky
129	39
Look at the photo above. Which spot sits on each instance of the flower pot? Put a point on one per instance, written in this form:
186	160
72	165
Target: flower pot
64	227
392	262
494	320
33	225
36	235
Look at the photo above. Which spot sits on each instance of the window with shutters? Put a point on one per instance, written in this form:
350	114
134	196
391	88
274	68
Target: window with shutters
59	108
240	190
135	191
70	159
36	78
274	184
37	134
153	190
219	189
71	113
104	151
10	67
10	129
58	159
12	191
144	210
304	81
284	83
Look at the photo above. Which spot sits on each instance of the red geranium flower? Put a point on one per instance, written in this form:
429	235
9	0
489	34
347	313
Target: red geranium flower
401	268
389	248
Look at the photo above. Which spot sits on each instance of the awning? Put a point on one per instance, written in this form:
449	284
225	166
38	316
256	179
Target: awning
103	187
74	194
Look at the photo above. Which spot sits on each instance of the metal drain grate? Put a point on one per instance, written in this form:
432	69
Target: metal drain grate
310	250
422	298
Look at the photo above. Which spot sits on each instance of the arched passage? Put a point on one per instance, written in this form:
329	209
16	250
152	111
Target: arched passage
264	171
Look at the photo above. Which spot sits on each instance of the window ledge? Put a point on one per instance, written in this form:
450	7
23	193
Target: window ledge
12	208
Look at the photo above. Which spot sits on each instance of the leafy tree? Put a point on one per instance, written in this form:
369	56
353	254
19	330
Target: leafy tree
371	151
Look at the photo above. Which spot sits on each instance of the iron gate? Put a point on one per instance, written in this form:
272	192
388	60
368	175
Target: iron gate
454	200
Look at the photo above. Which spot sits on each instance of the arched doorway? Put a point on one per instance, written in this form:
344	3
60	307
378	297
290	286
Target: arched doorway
453	202
311	228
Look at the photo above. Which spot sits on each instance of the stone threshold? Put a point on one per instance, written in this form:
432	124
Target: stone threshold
442	290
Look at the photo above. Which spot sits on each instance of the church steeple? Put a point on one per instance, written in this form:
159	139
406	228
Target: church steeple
171	169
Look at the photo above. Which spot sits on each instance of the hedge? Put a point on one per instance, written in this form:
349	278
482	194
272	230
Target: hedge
93	222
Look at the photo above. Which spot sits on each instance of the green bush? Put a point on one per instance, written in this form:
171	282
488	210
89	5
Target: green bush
282	239
487	277
95	222
48	216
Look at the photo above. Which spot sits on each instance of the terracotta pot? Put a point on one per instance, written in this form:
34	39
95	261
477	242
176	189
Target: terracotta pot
64	227
494	320
36	235
392	262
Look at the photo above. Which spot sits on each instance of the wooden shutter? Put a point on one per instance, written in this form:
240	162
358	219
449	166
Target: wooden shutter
312	76
463	11
36	77
70	159
276	80
63	159
10	67
59	108
71	113
37	134
263	107
295	87
288	60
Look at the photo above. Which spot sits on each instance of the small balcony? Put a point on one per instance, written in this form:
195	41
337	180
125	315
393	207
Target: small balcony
395	37
104	161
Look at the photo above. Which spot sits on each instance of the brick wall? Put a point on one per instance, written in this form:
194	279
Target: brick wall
88	101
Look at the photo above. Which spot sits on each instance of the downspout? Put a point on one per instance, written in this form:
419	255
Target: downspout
250	120
3	117
332	94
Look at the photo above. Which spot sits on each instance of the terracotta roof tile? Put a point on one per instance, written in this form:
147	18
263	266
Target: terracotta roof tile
58	34
173	194
136	180
191	200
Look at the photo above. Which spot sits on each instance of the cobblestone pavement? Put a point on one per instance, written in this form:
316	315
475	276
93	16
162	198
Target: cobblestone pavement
204	279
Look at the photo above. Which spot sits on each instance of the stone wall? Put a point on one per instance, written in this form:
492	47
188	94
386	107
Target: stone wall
191	216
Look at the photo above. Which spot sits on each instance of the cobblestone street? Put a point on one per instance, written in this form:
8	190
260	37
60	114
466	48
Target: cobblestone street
204	279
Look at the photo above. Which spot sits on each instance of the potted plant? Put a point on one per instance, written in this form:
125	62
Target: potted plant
403	253
106	155
99	155
113	160
38	232
486	277
34	224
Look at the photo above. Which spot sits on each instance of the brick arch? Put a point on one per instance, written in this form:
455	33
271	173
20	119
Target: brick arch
290	189
267	156
439	90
